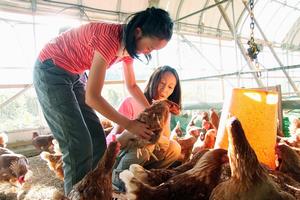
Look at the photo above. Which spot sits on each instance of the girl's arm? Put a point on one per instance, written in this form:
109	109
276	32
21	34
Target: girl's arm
131	85
95	99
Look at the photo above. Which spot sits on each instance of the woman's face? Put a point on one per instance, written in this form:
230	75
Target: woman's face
145	45
165	86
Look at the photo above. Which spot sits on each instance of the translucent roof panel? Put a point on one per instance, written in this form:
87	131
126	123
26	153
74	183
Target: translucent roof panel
278	19
203	43
274	18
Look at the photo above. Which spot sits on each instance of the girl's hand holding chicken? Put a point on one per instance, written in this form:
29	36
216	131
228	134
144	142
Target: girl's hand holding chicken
140	129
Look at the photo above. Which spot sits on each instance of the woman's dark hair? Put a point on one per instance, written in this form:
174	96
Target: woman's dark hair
154	22
151	87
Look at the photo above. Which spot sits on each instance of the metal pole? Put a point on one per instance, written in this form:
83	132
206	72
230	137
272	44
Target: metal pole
15	96
206	8
245	72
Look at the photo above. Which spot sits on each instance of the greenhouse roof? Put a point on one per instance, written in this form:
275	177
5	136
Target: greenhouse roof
278	19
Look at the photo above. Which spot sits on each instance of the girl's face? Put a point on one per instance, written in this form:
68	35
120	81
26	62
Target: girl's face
145	45
165	86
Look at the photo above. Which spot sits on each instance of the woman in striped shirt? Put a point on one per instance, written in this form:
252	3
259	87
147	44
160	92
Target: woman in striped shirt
69	108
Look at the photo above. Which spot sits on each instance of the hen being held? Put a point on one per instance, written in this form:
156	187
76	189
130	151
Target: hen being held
155	117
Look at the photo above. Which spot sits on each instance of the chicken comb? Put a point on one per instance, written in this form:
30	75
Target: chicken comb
114	137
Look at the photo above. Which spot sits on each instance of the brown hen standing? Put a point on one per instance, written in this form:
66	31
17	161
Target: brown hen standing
194	184
42	142
208	143
289	161
97	184
155	177
13	168
54	162
176	132
214	118
248	179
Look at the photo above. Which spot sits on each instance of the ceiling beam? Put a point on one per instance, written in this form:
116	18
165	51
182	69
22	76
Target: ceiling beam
203	9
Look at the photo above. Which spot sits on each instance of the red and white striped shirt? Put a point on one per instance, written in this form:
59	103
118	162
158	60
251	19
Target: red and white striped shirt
74	49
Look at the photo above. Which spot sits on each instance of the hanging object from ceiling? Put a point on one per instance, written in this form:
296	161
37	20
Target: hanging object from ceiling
253	49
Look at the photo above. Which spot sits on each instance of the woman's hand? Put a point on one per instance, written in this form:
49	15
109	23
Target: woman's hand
140	129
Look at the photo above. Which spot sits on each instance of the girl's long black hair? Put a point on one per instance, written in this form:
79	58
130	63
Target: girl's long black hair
154	22
151	87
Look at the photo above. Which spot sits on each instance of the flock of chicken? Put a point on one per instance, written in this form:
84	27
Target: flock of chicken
209	175
203	173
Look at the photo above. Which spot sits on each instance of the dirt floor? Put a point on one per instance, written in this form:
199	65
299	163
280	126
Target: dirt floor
41	185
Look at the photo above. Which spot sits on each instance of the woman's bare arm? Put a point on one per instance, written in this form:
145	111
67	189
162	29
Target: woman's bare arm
95	99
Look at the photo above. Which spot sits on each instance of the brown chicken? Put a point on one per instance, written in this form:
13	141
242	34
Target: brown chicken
186	144
13	168
5	151
106	125
205	116
187	141
196	183
42	142
214	118
3	139
207	143
176	132
97	184
289	161
192	123
155	177
155	117
249	180
285	182
54	162
293	141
